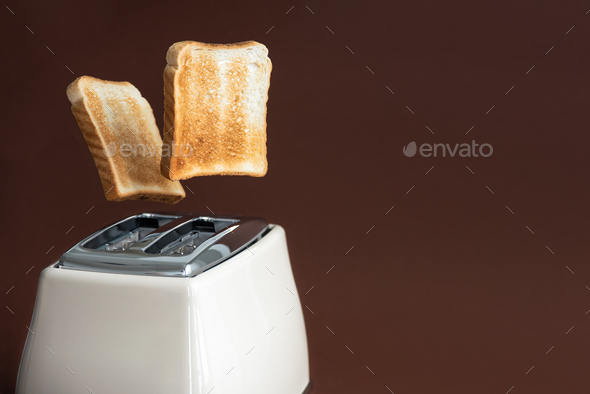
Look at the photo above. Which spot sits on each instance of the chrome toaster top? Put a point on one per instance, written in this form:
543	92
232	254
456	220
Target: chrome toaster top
178	245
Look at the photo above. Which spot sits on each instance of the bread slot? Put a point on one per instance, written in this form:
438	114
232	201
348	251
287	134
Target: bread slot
185	238
123	235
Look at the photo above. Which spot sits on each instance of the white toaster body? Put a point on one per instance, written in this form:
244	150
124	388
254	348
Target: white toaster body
236	327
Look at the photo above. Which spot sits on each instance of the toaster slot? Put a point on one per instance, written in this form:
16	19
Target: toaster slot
126	233
185	238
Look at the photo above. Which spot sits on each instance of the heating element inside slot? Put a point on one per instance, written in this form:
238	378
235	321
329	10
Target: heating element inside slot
125	234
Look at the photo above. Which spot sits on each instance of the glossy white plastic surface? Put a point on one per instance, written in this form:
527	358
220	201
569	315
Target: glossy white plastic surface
237	328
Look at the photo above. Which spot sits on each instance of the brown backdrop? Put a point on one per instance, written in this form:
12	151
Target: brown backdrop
446	292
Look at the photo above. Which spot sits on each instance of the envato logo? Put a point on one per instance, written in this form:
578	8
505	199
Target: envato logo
436	150
143	150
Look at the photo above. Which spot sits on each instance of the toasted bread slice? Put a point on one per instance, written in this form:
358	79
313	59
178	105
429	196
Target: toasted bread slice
119	127
215	109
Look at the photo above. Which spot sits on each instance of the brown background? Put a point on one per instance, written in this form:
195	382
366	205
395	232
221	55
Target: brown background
449	292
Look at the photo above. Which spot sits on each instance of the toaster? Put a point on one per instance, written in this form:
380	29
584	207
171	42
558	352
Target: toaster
169	303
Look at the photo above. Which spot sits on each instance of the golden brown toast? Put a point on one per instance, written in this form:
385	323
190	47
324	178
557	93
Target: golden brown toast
119	127
215	109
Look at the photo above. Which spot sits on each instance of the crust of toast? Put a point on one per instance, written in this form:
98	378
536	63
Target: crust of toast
215	109
112	114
